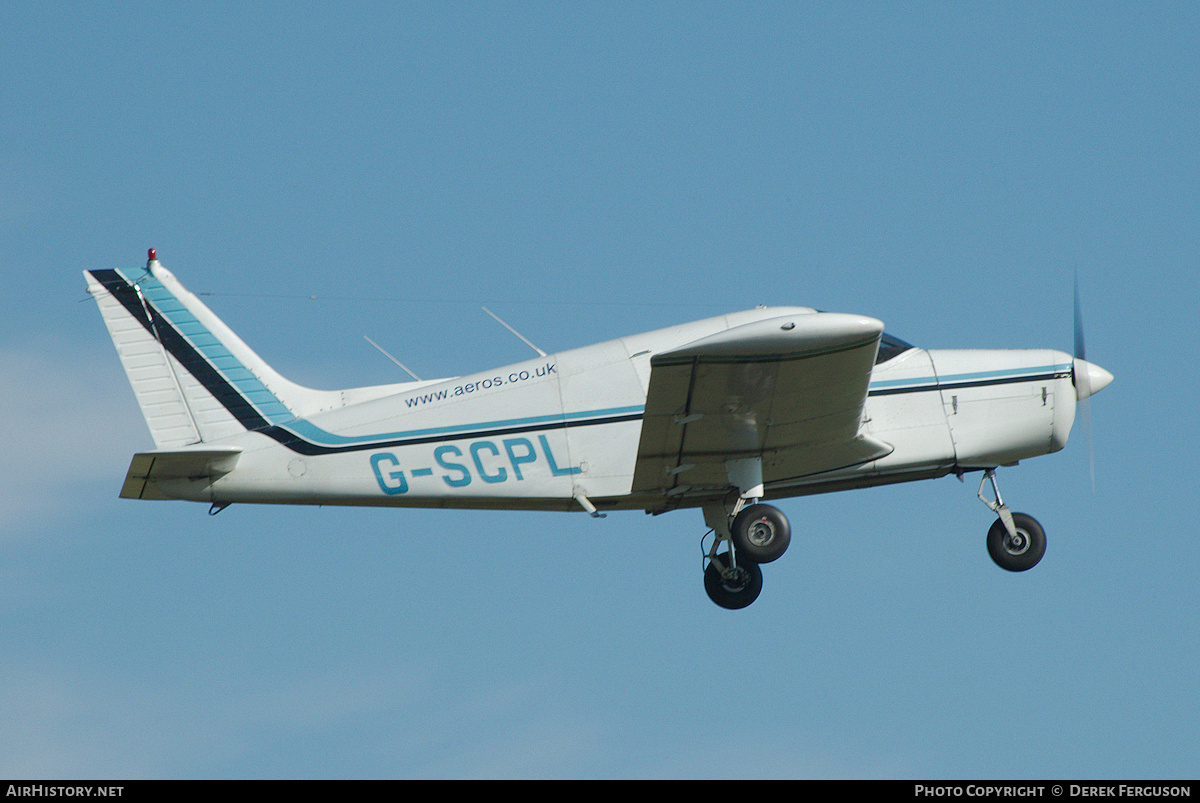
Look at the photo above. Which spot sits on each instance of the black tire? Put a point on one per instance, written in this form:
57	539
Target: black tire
761	533
1021	554
733	589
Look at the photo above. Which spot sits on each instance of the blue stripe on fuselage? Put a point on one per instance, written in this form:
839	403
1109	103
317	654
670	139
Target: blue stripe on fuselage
977	379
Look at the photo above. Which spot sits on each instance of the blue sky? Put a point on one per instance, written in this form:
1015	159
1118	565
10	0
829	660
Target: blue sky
586	171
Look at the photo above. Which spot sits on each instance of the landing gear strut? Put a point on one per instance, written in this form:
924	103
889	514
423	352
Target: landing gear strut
1015	541
749	536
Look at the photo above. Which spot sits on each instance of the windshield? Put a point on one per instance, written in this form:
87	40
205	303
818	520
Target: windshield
890	347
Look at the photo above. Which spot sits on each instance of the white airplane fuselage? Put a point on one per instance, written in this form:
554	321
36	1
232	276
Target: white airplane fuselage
538	434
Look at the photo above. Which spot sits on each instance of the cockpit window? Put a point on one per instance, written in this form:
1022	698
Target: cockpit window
890	347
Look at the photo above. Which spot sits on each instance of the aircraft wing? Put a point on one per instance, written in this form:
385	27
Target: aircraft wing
789	389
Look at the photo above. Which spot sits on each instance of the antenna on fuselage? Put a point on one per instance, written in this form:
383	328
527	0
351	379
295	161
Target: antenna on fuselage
514	331
390	357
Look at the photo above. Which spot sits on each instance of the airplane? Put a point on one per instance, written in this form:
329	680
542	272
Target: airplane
719	414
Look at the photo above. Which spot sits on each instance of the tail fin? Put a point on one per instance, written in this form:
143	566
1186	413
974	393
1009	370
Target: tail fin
195	379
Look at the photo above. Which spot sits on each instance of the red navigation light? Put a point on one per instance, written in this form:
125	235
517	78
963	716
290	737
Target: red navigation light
153	255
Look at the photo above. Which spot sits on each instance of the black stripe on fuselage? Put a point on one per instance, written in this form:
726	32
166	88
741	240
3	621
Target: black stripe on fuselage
297	444
972	383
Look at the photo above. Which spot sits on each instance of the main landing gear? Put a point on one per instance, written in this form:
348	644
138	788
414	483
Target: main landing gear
753	534
1015	541
743	540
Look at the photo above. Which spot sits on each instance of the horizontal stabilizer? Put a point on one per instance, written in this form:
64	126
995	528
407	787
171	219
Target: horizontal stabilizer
148	468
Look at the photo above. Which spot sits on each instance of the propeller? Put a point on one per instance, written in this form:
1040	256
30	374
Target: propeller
1088	379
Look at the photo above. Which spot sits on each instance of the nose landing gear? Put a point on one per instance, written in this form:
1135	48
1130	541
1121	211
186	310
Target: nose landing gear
1015	541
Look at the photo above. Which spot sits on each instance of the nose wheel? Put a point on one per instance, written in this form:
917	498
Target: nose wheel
1015	541
1019	550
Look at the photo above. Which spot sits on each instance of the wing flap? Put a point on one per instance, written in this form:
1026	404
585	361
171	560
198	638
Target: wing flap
148	468
789	389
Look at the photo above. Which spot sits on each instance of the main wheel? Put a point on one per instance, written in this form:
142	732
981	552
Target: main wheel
1022	552
761	533
733	588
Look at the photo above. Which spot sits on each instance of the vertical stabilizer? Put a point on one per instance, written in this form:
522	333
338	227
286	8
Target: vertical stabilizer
194	379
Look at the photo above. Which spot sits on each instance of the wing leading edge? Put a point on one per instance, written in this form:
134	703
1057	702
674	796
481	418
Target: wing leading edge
790	389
